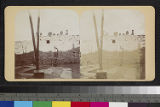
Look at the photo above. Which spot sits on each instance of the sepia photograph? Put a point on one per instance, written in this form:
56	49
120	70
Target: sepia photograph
80	43
113	44
47	45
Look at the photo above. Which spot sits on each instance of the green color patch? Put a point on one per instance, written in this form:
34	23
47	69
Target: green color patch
42	104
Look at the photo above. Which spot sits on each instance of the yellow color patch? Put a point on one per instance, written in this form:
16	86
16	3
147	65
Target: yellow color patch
61	104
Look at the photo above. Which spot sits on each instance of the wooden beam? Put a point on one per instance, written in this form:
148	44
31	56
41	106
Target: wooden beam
97	40
33	38
38	27
101	40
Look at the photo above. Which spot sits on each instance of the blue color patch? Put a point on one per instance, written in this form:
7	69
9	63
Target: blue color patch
23	104
6	104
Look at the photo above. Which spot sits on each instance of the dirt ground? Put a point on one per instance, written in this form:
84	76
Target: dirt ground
68	71
117	65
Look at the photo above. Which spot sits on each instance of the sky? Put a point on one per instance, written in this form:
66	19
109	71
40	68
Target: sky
56	20
51	20
115	20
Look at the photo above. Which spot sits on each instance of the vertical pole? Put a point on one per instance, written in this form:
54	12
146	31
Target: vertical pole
33	39
96	31
38	26
101	48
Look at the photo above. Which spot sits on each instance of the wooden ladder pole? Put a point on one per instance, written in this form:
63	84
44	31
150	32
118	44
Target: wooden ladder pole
97	40
102	33
33	38
38	27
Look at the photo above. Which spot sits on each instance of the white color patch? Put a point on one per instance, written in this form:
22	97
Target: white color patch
118	104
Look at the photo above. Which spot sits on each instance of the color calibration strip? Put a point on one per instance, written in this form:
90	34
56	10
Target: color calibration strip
73	104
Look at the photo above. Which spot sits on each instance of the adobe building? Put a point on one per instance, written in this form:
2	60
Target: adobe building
123	41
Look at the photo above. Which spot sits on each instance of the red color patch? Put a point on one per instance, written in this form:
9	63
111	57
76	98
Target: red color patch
80	104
